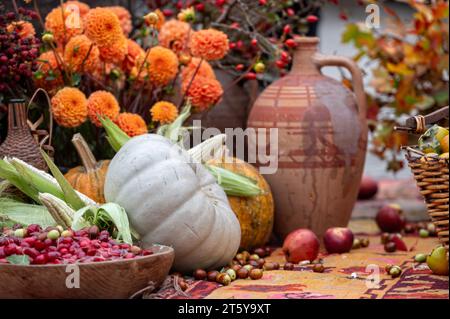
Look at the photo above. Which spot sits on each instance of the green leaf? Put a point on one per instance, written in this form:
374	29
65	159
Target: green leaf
76	79
119	217
25	214
70	196
18	259
110	212
115	136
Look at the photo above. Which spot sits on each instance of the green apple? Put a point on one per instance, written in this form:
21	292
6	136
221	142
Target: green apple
438	261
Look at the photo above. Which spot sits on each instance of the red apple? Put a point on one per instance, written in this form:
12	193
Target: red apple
390	218
338	240
301	244
368	188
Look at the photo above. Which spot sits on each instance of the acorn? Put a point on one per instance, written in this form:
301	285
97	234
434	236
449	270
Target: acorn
390	247
318	268
243	273
365	242
395	271
223	279
212	275
230	272
288	266
356	244
388	267
261	252
248	267
256	274
200	274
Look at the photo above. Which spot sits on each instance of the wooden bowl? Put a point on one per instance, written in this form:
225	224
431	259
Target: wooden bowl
109	279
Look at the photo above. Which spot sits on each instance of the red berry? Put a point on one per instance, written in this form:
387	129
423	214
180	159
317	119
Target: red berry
200	7
10	249
232	45
239	67
280	64
250	76
287	29
290	43
40	259
254	42
343	16
262	2
312	18
290	12
285	56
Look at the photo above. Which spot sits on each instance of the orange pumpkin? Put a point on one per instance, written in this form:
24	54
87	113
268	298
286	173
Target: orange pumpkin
256	213
89	178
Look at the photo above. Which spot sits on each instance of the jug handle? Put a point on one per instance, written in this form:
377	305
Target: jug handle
321	60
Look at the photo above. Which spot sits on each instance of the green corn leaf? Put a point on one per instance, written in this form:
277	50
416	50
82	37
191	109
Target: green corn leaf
31	181
70	196
107	213
234	184
115	136
18	259
25	214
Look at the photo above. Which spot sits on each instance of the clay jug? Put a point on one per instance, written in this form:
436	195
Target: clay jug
322	141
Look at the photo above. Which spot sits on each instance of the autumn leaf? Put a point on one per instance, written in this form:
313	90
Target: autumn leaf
400	68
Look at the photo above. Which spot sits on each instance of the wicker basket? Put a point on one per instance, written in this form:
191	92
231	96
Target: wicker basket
432	176
20	142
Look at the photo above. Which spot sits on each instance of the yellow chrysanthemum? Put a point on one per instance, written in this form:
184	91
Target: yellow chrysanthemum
132	124
63	24
23	28
77	7
164	112
115	52
48	75
80	56
209	44
161	66
205	70
174	35
203	92
102	26
69	107
102	103
124	18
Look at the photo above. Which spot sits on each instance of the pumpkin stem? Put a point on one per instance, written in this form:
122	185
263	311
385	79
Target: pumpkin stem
84	152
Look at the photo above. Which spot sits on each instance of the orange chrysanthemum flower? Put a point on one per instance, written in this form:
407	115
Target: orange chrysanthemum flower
134	51
124	18
174	35
69	107
209	44
79	55
161	66
132	124
103	27
77	7
102	103
116	51
63	24
48	75
205	70
204	92
161	19
23	28
164	112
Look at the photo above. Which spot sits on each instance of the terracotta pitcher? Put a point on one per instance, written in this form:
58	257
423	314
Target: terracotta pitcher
322	141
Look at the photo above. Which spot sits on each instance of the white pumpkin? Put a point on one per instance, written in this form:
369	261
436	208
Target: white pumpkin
174	202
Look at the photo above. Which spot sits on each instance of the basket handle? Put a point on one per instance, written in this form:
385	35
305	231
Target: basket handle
418	124
34	126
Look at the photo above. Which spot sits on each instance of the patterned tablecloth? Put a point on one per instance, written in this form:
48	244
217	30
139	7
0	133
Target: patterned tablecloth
346	276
